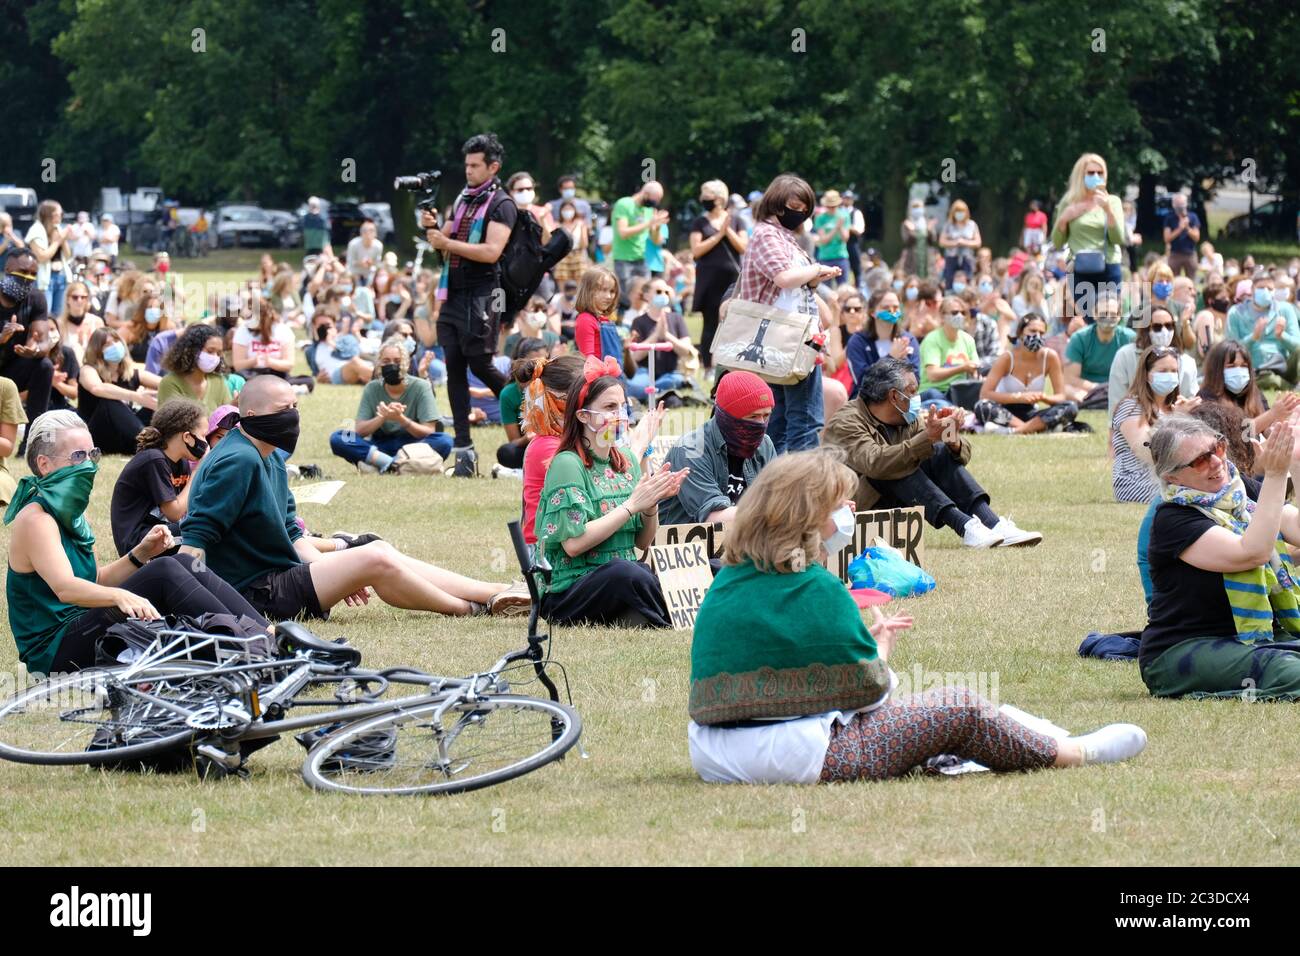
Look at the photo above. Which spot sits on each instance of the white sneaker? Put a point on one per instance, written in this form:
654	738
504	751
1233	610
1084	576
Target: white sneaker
1013	537
1112	743
501	471
975	535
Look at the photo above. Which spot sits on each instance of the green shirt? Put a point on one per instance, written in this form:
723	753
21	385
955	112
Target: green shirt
510	399
573	495
36	616
838	247
1087	232
417	396
781	644
1094	356
936	349
217	394
631	249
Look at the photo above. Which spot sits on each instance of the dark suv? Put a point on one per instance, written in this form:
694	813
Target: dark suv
346	218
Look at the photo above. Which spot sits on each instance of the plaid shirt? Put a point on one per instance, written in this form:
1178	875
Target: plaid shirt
987	344
771	250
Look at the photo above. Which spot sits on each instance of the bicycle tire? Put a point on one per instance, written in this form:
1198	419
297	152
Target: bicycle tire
331	764
148	733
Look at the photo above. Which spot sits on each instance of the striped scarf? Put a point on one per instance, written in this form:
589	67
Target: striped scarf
467	223
1261	598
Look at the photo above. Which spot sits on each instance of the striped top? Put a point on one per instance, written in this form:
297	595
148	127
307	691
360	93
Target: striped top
1131	478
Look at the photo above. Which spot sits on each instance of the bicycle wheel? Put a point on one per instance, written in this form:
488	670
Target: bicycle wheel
101	716
476	744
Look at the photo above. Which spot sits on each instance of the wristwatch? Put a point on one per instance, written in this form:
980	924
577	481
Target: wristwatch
133	559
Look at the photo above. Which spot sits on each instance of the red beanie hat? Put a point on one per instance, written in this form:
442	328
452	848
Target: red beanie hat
741	393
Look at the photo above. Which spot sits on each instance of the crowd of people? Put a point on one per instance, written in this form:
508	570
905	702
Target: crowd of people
1178	349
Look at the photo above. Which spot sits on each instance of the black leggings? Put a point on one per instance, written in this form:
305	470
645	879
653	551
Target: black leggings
622	593
511	455
114	426
35	376
710	286
172	584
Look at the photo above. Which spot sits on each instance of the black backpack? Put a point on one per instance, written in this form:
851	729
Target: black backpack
525	260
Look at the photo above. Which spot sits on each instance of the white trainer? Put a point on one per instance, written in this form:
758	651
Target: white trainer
1013	537
1112	743
975	535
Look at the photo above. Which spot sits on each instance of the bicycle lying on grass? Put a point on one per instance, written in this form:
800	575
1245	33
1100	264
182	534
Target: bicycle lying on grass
215	699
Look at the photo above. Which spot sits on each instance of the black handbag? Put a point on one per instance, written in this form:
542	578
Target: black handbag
1093	262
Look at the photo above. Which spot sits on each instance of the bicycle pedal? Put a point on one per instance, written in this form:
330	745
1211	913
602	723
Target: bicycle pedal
218	756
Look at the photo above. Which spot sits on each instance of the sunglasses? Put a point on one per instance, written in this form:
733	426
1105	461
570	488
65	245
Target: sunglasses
78	297
853	308
1162	325
1201	461
957	312
79	456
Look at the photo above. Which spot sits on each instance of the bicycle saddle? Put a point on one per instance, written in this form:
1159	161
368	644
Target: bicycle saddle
291	636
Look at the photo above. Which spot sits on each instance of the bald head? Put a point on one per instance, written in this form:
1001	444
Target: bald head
264	394
653	190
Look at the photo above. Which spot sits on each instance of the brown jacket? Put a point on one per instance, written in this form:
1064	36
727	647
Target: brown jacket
870	453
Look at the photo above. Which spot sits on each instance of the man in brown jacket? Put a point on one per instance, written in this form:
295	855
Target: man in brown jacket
903	460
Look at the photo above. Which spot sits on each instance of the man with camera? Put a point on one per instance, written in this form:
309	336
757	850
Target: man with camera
469	304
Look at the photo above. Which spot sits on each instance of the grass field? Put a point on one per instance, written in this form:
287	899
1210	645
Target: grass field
1216	785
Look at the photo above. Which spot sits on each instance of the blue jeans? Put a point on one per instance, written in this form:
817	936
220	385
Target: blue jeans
797	417
58	285
350	446
933	398
1086	288
843	265
663	383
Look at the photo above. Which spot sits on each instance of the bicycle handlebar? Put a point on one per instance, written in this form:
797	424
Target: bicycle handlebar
650	347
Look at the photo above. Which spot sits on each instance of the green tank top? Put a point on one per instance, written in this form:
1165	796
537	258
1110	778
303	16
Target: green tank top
38	618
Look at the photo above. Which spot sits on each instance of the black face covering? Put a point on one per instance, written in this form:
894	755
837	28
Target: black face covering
791	219
392	374
279	428
652	203
198	449
76	319
15	288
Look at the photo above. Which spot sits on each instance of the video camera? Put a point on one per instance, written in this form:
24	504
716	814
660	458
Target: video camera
426	183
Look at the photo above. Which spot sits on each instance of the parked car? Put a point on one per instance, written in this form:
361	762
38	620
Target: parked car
242	225
382	214
19	202
1272	220
345	219
288	229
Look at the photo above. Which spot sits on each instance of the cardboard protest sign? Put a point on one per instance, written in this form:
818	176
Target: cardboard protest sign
685	577
317	493
900	528
709	534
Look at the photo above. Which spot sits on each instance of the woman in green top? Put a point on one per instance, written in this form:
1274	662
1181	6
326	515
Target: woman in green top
596	508
196	369
61	603
788	684
1091	220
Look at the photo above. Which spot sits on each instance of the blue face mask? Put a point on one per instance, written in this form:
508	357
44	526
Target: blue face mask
1162	383
1236	379
1263	298
959	287
986	288
898	284
568	193
661	301
912	293
913	410
1162	290
153	315
1093	180
115	353
884	315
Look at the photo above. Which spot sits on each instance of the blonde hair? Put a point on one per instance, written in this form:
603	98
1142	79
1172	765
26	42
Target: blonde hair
593	281
959	204
715	188
1074	190
778	523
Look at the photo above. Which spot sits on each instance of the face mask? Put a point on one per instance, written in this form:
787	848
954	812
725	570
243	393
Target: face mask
957	320
845	521
1281	295
650	203
1162	338
198	449
568	193
898	285
918	213
913	410
1263	298
409	345
986	288
392	374
660	301
611	425
153	315
912	293
884	315
76	319
1093	180
1162	290
741	435
566	214
537	320
279	429
1106	328
959	287
1033	342
15	287
207	362
791	219
66	490
958	216
1162	383
1230	272
524	197
345	302
1220	305
345	289
1235	380
115	353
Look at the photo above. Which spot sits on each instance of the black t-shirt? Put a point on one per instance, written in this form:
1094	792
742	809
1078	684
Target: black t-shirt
1186	602
148	480
643	326
72	368
467	273
735	478
88	404
31	309
723	257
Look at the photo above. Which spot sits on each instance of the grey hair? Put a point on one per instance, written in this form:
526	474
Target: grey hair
43	434
393	342
886	375
1167	438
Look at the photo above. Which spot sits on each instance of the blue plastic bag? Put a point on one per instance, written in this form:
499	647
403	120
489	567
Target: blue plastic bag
886	570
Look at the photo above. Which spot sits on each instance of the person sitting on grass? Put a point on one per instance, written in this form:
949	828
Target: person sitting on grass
61	602
546	395
1160	332
1153	394
597	508
1230	380
882	334
724	455
775	701
510	455
108	385
241	521
1091	351
1008	401
154	486
196	369
901	461
396	409
1223	583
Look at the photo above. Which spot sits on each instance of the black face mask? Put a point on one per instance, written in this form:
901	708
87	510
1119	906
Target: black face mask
279	428
791	219
76	319
652	203
15	288
198	449
392	374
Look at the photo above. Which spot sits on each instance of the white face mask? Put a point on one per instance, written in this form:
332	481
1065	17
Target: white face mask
566	214
537	320
524	196
845	521
1162	338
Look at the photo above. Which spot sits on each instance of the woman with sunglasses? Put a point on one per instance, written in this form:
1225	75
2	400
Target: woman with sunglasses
948	354
1159	331
61	602
1152	396
882	335
1224	590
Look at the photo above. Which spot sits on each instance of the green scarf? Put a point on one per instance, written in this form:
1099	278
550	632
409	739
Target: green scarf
65	492
1261	598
